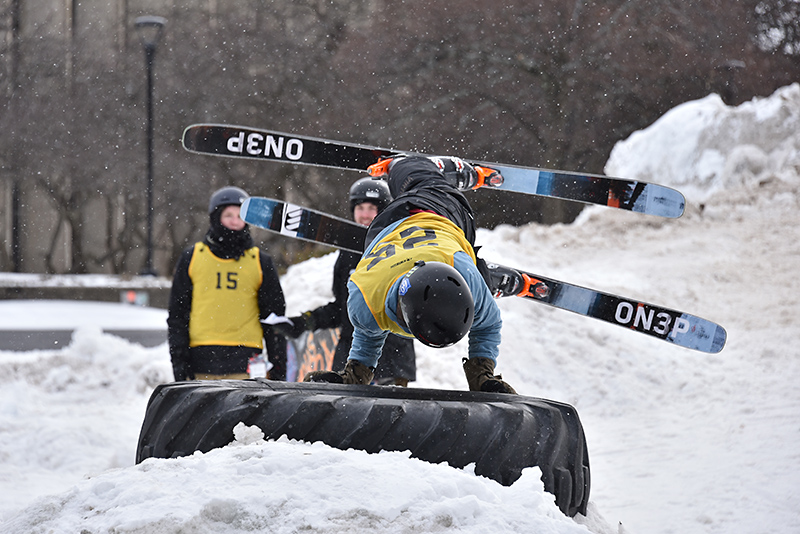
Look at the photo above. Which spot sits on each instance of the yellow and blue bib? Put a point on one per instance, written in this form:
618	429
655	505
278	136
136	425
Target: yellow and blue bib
422	236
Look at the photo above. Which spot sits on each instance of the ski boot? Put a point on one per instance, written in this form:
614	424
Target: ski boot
504	281
456	171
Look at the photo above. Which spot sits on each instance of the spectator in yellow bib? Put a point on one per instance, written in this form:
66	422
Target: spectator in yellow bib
420	277
222	287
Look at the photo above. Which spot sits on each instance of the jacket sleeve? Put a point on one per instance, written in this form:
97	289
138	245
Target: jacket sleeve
180	309
484	336
368	337
271	300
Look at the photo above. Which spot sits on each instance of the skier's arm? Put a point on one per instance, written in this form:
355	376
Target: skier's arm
368	337
180	309
484	336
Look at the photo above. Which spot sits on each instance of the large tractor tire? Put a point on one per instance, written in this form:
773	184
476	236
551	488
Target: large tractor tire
501	434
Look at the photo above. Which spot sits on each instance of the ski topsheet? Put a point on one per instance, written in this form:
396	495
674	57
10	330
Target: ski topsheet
669	325
243	142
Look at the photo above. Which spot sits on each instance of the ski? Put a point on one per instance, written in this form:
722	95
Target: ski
302	223
243	142
672	326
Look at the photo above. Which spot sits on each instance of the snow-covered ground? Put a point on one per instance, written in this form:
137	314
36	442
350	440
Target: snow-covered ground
679	441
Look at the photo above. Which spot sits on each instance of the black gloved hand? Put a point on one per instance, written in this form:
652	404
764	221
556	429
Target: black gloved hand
457	172
299	324
181	370
354	373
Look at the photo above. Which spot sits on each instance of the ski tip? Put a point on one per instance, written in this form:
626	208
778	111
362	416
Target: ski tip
195	136
720	338
243	209
663	202
188	136
703	336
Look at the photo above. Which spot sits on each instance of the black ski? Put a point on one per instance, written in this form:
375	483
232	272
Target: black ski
669	325
243	142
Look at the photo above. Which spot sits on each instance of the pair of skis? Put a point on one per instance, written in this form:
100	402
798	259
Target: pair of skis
298	222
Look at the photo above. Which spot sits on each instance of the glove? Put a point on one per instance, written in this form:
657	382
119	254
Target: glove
299	324
181	370
457	172
354	373
480	376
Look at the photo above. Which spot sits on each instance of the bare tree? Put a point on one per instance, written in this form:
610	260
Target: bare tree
545	83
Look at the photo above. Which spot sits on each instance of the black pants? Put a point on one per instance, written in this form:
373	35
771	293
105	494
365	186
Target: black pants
416	184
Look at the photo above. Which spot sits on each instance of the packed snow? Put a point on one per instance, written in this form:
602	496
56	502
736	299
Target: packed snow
679	441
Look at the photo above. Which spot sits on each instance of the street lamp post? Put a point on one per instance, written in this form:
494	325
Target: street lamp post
150	29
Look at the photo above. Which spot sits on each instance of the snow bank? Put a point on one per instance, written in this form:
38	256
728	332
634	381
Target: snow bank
704	146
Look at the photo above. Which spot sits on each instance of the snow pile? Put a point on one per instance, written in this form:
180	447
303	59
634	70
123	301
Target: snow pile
702	147
679	441
70	413
285	486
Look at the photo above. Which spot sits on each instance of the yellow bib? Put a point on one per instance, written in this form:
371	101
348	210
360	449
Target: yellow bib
225	299
423	236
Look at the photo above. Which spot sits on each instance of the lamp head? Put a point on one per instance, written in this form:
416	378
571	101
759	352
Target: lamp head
150	29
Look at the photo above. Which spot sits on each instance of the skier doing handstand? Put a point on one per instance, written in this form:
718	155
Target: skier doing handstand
420	277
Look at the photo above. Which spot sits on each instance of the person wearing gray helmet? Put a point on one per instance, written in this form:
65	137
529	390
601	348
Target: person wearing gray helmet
222	287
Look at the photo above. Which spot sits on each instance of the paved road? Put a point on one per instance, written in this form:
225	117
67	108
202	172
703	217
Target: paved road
22	340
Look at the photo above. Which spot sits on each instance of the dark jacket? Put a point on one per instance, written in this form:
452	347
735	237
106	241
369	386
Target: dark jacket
398	359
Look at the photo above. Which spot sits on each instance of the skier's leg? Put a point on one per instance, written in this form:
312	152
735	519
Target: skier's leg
406	173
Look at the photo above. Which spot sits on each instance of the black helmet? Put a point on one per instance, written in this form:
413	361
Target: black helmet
436	303
227	196
370	190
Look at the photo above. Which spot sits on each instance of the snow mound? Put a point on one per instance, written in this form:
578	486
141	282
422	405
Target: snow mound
702	147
